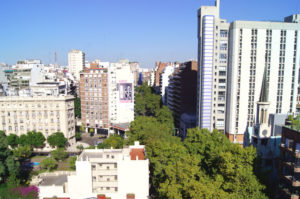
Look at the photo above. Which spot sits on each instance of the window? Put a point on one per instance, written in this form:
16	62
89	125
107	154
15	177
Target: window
223	45
223	33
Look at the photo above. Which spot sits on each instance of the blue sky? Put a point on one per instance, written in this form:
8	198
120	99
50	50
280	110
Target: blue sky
140	30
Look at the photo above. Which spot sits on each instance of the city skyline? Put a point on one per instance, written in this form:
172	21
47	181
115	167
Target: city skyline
140	31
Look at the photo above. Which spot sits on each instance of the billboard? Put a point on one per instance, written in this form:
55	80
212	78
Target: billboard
125	92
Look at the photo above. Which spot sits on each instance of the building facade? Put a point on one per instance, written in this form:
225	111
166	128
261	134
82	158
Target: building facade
289	164
107	96
212	68
264	57
76	62
42	114
94	97
121	93
115	173
181	99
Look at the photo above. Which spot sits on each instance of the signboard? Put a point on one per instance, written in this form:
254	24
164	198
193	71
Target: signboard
125	92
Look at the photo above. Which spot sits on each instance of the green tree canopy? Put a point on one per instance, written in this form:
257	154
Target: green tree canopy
23	152
205	165
9	168
12	140
57	140
146	102
32	139
48	163
72	162
114	141
164	115
59	154
77	107
36	139
77	136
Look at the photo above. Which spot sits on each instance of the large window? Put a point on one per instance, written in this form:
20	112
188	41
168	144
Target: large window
223	33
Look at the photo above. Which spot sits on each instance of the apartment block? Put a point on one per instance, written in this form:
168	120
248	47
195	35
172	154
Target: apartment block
121	93
21	76
212	68
264	59
94	97
180	96
114	173
42	114
76	62
289	164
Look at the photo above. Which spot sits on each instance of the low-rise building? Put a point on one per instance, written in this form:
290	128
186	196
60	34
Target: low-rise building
115	173
42	114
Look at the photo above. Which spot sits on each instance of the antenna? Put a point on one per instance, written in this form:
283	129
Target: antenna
55	60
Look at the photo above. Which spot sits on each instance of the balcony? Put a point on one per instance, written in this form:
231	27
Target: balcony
297	154
290	179
284	147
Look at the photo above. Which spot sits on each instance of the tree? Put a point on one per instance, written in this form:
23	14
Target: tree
147	130
80	147
59	154
220	158
205	165
32	139
72	162
81	129
92	131
23	140
57	140
48	163
114	141
36	139
146	102
77	136
77	108
9	168
23	152
164	115
12	140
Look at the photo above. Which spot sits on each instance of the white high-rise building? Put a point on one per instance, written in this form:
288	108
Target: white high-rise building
233	59
263	61
212	67
121	93
76	61
164	81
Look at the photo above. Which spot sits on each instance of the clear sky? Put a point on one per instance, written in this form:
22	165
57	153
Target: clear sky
140	30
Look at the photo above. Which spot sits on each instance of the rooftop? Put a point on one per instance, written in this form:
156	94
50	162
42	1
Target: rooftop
58	180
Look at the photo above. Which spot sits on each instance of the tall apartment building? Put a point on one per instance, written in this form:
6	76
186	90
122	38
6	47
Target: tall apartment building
76	61
183	85
42	114
94	97
212	68
264	60
115	173
164	81
121	93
